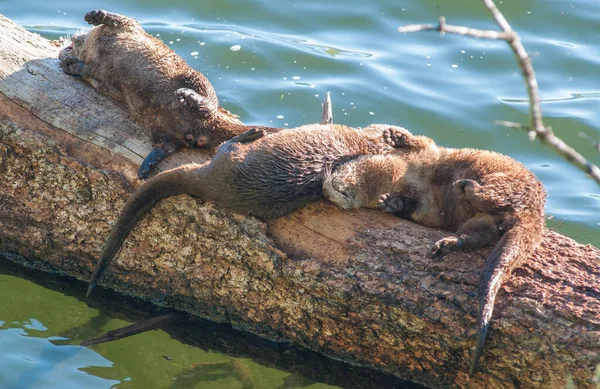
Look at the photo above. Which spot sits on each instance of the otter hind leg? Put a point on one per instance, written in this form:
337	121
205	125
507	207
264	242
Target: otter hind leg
481	230
160	151
397	204
100	16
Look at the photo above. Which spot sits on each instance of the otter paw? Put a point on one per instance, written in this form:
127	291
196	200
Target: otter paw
397	137
95	17
190	98
445	246
390	203
72	66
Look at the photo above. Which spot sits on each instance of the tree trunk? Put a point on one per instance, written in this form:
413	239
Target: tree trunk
359	286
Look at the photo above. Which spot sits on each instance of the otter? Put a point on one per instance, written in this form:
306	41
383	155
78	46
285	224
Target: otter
176	104
484	197
252	174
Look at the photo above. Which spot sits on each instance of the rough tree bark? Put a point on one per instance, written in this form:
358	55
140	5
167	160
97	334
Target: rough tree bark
358	286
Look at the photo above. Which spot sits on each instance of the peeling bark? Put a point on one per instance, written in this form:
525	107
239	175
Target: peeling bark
359	286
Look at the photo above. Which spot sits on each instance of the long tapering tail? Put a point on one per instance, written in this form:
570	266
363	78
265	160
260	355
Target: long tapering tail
166	184
512	249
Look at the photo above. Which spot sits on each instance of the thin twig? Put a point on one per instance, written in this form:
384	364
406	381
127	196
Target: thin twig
593	141
443	28
327	114
537	129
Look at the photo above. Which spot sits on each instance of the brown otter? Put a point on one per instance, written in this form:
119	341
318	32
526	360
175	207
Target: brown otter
264	176
174	102
484	197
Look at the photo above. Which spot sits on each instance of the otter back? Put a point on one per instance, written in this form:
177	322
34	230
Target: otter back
176	104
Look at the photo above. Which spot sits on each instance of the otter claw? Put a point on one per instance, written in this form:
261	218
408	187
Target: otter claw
189	97
390	204
445	246
396	137
95	17
194	100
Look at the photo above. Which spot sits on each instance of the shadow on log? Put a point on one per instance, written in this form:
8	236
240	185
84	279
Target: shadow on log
358	286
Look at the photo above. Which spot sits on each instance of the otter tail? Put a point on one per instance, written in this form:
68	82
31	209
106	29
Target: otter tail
512	249
166	184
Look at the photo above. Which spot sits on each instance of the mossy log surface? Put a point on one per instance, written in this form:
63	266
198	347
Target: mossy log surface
358	286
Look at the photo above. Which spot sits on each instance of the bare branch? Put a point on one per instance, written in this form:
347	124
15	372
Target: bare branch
500	19
537	129
443	28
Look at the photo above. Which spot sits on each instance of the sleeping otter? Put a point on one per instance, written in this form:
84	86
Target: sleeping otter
253	174
484	197
173	102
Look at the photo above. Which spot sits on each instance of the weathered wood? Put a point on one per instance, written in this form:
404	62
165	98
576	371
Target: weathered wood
358	286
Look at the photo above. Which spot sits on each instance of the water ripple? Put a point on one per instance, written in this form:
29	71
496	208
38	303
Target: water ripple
294	42
572	96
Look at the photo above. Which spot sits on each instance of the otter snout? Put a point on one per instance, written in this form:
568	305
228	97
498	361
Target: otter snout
74	48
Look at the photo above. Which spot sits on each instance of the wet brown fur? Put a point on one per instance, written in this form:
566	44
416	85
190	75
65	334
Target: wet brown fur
264	176
484	197
118	58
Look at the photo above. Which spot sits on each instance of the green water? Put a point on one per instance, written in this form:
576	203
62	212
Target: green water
291	53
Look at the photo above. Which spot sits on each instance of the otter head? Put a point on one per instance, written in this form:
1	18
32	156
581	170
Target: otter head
82	50
76	49
360	182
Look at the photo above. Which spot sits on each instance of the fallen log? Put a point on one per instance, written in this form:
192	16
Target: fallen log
358	286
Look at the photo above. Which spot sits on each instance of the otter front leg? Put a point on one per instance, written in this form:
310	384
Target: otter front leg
100	16
481	230
400	138
160	151
397	204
